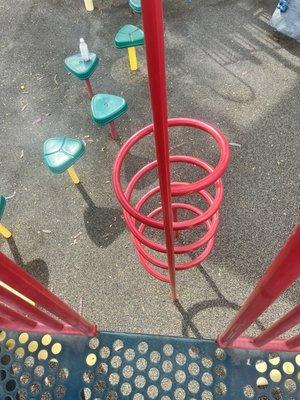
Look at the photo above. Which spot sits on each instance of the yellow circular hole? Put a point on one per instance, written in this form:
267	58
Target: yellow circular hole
46	340
33	346
288	368
10	344
20	352
261	366
274	359
91	359
2	335
275	375
297	359
261	382
23	338
56	348
43	355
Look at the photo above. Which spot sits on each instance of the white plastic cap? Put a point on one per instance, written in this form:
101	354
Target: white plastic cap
81	40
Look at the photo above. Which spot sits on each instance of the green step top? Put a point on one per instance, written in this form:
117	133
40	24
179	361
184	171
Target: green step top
107	107
61	152
136	6
129	36
79	68
2	205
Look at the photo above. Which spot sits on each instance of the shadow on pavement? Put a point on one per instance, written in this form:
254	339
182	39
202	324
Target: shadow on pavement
37	268
103	224
220	301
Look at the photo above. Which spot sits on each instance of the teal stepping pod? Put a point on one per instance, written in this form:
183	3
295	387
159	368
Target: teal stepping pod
136	6
2	205
61	152
81	69
106	108
129	36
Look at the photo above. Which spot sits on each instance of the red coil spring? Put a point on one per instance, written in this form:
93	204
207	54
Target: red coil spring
138	222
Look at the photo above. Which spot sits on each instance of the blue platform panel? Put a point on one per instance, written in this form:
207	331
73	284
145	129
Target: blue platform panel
115	366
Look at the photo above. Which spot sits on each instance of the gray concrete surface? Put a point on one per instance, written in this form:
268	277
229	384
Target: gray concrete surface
224	65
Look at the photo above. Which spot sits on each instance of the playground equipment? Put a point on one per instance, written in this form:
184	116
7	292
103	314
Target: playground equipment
136	6
138	222
89	5
61	153
106	108
3	230
128	37
48	351
82	70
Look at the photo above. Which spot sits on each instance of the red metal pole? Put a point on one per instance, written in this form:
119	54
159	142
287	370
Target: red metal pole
113	131
293	342
88	87
284	270
175	219
287	322
152	14
15	277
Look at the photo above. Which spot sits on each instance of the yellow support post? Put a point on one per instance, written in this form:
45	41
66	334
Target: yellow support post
89	5
73	175
132	58
5	232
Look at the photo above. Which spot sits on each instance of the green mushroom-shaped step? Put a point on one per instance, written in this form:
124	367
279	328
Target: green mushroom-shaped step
3	230
81	69
135	5
2	205
105	108
130	36
61	153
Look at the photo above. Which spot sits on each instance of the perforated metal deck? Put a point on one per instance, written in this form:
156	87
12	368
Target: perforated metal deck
122	366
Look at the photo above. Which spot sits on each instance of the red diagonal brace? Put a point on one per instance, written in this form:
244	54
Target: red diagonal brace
287	322
15	277
31	311
282	273
16	317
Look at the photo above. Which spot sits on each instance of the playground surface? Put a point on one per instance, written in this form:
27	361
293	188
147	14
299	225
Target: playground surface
224	66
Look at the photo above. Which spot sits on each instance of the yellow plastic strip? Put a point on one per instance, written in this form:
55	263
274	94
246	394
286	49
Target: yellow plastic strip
89	5
5	232
73	175
16	293
132	58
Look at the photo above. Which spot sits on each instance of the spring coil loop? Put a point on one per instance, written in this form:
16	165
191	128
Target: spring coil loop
138	222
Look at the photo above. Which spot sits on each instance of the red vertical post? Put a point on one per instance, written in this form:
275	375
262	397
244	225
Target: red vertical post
284	270
152	15
89	88
113	131
175	219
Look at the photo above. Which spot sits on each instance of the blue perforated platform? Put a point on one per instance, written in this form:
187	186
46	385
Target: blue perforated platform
121	366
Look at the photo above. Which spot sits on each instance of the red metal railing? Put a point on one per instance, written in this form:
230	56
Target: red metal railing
138	222
44	312
282	273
